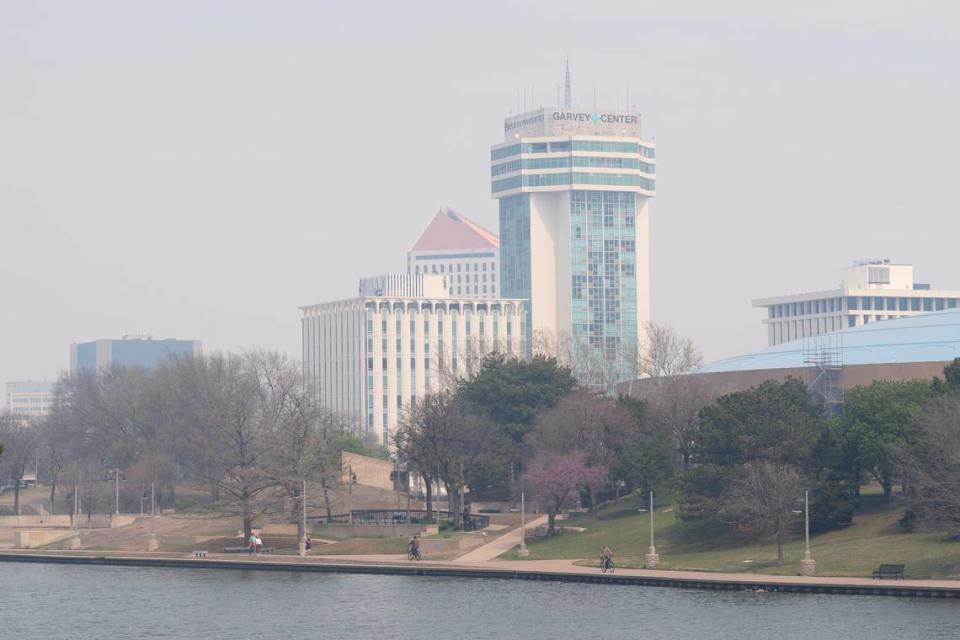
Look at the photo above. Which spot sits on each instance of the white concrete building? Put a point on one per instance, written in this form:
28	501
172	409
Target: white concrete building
30	398
869	291
574	187
459	248
406	285
371	357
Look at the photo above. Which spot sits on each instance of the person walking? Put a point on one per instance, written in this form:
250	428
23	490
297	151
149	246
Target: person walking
259	544
251	545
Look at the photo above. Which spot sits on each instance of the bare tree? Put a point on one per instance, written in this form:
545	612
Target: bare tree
54	451
673	404
444	435
763	498
664	353
20	439
231	438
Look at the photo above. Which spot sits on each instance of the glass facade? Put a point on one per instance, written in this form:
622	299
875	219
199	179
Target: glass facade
577	177
515	247
603	276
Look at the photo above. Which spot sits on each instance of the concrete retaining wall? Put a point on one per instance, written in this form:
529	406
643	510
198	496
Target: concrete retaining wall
97	522
25	539
341	531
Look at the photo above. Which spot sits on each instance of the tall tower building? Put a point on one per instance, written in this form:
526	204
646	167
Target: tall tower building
573	189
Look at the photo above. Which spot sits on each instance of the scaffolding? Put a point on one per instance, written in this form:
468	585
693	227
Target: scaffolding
823	354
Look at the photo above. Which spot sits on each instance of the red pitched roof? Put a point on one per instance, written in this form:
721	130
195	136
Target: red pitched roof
451	231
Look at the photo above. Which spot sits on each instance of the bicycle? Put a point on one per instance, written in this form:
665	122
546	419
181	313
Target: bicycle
606	564
414	554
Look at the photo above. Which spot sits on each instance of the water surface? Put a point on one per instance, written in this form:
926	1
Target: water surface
66	601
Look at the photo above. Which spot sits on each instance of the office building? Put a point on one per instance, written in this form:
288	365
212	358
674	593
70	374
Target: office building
370	358
29	398
869	291
129	351
574	187
459	248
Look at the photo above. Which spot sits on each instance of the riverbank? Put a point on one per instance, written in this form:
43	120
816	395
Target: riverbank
553	570
874	538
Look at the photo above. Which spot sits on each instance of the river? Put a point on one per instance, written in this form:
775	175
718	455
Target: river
64	601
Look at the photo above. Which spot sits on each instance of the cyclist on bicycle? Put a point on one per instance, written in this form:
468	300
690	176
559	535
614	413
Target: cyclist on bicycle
606	557
413	547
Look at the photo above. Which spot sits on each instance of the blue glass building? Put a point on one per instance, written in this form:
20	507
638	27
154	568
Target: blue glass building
129	351
573	188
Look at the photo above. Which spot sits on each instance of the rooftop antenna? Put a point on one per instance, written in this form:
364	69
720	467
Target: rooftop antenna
566	87
559	101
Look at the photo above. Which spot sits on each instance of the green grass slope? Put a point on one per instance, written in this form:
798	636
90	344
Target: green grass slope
873	539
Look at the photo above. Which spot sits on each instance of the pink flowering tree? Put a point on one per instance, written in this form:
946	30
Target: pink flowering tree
556	482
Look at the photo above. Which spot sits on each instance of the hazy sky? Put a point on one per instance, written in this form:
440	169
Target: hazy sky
200	169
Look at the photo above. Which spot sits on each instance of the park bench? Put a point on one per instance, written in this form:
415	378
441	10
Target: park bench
889	571
199	553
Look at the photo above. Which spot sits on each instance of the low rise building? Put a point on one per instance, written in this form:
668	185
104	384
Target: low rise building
30	398
869	291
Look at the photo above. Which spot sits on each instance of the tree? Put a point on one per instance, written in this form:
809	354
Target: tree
21	439
645	459
509	393
875	424
778	422
665	353
447	436
583	421
930	459
231	434
762	500
556	482
674	403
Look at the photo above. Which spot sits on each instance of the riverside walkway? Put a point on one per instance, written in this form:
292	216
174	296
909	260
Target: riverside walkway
541	570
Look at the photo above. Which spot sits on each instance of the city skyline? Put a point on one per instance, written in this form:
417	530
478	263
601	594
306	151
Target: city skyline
133	202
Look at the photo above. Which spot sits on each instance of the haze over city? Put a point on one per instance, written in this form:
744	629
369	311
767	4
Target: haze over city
201	170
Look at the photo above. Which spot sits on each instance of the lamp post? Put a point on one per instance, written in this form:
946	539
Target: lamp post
116	473
808	566
303	518
523	552
652	558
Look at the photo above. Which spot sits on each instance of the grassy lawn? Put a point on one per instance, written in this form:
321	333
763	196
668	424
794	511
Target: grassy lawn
874	538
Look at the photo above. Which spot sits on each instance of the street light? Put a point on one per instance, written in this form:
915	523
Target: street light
808	566
652	558
523	552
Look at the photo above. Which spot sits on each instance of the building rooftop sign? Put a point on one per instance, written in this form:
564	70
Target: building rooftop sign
560	121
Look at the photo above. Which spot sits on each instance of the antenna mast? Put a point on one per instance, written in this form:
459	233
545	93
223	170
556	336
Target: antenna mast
566	87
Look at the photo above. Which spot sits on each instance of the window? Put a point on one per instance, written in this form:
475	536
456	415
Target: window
866	303
878	275
928	304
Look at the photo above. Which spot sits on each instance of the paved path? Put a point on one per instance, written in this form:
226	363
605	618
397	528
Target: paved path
494	548
546	569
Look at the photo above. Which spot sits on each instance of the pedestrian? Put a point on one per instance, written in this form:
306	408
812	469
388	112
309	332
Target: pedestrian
308	544
259	544
251	545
